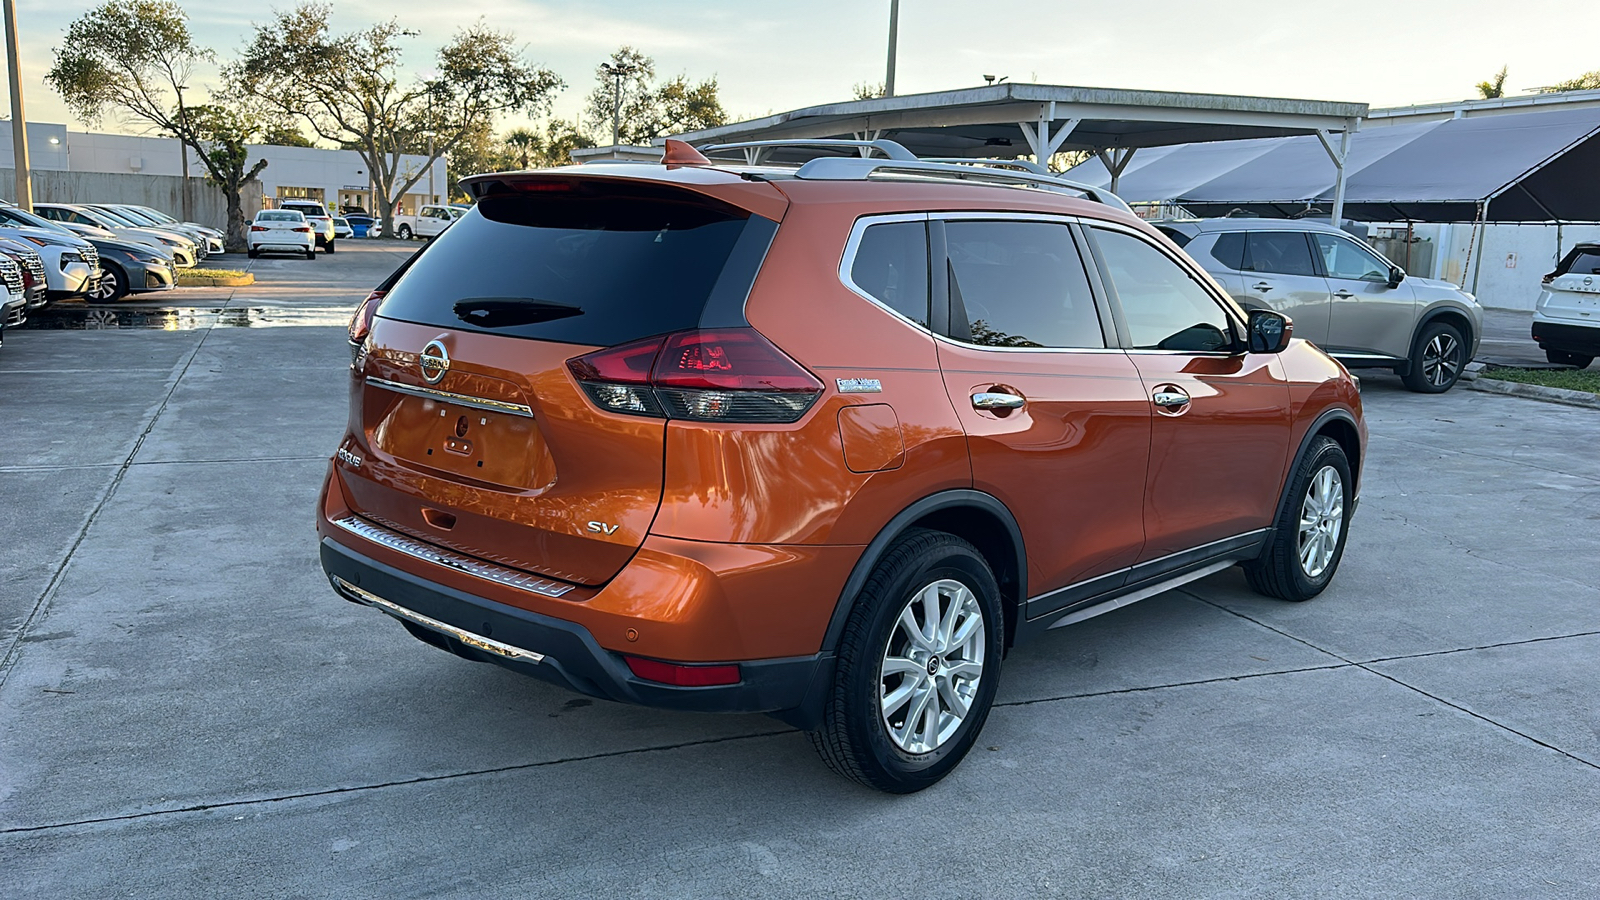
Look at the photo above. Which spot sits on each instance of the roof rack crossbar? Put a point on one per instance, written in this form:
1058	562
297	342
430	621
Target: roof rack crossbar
838	169
1026	165
890	149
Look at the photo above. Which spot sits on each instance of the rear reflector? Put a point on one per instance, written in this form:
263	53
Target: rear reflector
682	675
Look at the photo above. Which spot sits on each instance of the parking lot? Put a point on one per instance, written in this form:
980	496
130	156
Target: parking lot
186	708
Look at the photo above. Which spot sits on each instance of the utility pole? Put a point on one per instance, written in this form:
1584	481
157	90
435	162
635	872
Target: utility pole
19	122
617	73
894	38
183	149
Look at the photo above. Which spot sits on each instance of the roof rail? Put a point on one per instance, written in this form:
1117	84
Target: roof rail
840	169
889	149
1026	165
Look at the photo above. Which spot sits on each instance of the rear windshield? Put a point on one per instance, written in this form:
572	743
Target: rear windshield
586	264
1580	261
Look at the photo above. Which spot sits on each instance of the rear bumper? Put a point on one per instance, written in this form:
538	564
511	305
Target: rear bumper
1580	339
560	651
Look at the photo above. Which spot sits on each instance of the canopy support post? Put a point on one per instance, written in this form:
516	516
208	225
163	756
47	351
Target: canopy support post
871	135
1115	162
1043	144
1338	156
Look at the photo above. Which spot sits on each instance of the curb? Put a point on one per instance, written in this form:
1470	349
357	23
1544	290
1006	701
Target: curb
185	279
1535	392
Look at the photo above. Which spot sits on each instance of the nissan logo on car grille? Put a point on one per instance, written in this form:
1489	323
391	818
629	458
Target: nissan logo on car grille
434	362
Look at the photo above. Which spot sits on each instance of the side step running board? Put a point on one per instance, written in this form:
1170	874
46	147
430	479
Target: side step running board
1159	587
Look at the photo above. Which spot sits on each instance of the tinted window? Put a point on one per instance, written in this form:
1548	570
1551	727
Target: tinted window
1344	258
1581	261
1174	235
584	263
1229	250
891	265
1165	308
1280	252
1019	284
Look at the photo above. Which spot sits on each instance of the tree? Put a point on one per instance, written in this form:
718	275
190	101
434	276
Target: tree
560	139
1588	81
522	143
281	135
644	110
350	89
1494	88
867	90
135	58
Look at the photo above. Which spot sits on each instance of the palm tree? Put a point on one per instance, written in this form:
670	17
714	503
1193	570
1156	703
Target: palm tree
523	143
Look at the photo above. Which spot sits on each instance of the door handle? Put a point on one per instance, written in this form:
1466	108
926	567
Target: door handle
1261	286
1170	396
994	400
1343	294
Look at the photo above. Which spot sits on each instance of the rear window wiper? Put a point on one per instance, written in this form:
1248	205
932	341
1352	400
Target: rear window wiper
504	312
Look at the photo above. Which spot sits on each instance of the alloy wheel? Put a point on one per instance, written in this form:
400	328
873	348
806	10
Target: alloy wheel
1321	521
931	666
1441	360
104	288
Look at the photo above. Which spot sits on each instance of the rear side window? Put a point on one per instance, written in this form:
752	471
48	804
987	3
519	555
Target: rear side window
1019	284
585	263
1165	308
1280	252
891	266
1174	235
1229	250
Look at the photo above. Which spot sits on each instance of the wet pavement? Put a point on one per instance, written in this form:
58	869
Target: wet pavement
186	709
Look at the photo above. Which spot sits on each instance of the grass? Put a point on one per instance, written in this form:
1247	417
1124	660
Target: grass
198	277
1567	379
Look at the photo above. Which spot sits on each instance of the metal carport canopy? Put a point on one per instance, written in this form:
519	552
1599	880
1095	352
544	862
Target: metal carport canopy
1012	119
1527	167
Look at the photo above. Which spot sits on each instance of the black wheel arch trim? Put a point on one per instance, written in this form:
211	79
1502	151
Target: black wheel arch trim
1440	312
1337	414
950	499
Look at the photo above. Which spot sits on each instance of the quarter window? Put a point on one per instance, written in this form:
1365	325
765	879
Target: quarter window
1280	253
891	266
1019	284
1229	250
1345	259
1165	308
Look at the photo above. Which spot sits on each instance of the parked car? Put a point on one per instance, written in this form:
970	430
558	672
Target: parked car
78	218
130	268
341	228
1343	296
34	283
1566	317
718	440
71	264
433	219
214	237
318	218
209	240
281	231
13	296
364	226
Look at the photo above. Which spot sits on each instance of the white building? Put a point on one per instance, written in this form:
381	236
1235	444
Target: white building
332	176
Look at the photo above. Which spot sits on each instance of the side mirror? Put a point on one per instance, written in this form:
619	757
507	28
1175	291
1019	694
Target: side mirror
1269	332
1396	275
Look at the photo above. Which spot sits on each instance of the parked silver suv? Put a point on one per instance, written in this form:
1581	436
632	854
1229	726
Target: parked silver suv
1341	294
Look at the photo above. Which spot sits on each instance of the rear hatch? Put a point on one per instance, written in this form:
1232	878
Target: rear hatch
1572	291
478	437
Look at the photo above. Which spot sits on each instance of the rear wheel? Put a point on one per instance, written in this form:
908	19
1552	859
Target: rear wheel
330	246
1308	542
311	252
1437	359
403	232
111	286
1563	358
918	665
253	253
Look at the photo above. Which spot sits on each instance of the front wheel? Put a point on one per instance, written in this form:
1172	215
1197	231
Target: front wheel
918	666
111	286
403	232
1563	358
1309	537
1437	359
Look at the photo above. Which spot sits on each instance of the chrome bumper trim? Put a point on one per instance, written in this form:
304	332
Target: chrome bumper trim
512	578
476	641
483	403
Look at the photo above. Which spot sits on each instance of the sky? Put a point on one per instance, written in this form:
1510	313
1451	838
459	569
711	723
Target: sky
775	57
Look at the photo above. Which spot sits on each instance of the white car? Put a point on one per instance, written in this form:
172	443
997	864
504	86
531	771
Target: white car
433	219
1566	318
341	228
184	251
71	264
281	231
318	217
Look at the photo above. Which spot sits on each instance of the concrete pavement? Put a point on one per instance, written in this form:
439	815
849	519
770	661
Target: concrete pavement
186	709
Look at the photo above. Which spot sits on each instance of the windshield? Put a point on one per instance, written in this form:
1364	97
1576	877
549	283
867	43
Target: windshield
16	218
113	218
156	215
131	215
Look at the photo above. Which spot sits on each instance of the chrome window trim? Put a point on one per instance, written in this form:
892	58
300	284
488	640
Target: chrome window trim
460	562
848	261
482	403
950	340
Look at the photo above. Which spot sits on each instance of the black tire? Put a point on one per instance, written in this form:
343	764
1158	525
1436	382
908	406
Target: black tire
1280	571
403	232
312	252
1437	358
1563	358
112	286
253	253
854	738
330	246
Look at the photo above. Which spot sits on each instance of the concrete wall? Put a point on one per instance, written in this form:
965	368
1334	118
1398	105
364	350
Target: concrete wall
164	192
1505	262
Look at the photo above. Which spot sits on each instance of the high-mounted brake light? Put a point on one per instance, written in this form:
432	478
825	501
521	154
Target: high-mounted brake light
712	375
361	322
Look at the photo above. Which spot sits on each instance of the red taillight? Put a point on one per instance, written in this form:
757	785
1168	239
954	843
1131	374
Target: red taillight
682	675
303	229
258	228
361	322
717	375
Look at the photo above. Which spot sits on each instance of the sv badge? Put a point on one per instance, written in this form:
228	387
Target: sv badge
603	528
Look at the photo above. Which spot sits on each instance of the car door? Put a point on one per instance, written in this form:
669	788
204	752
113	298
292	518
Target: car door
1220	431
1370	316
1280	274
1057	421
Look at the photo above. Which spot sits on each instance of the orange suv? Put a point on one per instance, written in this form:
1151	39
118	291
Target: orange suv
823	441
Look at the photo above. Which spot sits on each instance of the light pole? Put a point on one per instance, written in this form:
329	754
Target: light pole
19	122
183	150
618	72
894	38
